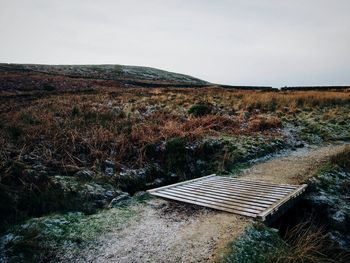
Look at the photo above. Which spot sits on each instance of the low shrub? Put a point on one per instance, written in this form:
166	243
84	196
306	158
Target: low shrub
201	109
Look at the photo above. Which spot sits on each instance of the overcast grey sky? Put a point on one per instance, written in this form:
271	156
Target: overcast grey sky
238	42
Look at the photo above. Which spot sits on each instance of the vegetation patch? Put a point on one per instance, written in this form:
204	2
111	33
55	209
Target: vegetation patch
301	244
38	239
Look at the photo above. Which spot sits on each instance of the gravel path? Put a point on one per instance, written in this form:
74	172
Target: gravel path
166	231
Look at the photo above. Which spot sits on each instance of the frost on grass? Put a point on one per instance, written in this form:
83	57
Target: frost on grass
41	238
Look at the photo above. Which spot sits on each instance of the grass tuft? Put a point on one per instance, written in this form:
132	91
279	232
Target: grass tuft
342	159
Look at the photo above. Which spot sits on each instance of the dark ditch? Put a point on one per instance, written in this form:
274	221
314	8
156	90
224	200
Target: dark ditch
323	209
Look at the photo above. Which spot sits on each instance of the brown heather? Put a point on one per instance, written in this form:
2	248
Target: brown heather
84	128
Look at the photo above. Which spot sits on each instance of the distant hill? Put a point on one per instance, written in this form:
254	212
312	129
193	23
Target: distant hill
126	74
319	88
38	77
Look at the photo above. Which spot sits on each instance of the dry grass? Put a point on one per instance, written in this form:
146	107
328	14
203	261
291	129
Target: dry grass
83	129
294	100
310	245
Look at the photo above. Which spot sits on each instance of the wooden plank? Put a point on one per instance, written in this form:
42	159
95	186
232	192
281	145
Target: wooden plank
215	198
211	201
184	182
245	194
248	183
291	186
206	205
236	207
276	206
241	189
238	182
258	199
226	196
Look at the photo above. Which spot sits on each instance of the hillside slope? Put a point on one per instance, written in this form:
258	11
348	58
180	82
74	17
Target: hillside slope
107	72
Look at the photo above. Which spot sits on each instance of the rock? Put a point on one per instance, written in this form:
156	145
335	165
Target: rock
174	176
132	180
29	158
84	174
320	200
39	167
94	195
109	171
156	183
339	240
67	184
116	201
85	195
110	163
109	167
141	194
159	181
299	144
338	221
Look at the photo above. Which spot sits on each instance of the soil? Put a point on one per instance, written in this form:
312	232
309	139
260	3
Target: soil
167	231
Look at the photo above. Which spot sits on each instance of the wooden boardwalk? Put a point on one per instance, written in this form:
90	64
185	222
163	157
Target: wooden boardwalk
259	200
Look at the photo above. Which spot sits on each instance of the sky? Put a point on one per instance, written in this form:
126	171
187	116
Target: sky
238	42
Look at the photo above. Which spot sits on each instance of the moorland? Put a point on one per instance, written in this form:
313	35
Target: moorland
79	145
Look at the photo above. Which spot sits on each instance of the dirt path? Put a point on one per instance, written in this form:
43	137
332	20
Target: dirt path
294	168
174	232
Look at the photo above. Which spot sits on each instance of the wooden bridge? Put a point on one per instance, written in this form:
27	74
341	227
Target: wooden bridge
259	200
